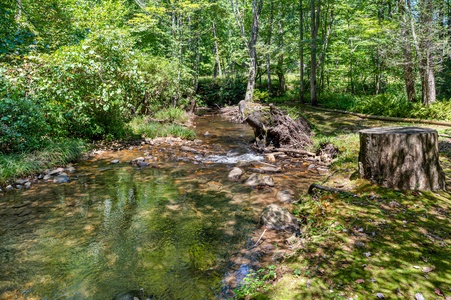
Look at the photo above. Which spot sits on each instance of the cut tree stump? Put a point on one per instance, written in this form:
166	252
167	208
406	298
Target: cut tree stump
404	158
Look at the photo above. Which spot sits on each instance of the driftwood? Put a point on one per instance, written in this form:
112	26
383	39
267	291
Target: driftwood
327	189
297	151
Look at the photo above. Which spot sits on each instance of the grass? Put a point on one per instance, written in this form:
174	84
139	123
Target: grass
172	114
141	126
397	243
14	166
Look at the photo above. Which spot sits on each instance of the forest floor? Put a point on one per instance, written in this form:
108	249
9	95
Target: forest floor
376	243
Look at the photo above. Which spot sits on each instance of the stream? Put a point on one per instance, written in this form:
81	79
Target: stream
173	228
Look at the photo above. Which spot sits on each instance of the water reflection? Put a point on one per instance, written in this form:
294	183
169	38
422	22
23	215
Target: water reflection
119	230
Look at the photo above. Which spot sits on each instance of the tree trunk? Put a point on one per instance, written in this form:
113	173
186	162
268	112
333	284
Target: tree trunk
256	10
280	61
268	56
314	17
217	69
301	52
403	158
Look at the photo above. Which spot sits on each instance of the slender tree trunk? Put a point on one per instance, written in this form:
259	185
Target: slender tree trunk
256	10
314	17
250	43
409	76
268	56
322	56
427	63
217	68
301	52
280	60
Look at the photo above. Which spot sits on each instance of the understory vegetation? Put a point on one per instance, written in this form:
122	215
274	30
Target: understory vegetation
366	243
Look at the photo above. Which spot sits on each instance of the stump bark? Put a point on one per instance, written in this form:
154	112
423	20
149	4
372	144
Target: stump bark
404	158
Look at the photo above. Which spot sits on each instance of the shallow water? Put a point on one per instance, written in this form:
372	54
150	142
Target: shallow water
169	230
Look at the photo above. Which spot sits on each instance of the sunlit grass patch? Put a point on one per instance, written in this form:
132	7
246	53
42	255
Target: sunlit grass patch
55	154
141	126
381	241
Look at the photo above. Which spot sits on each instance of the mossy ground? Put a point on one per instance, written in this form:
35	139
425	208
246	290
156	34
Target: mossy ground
397	243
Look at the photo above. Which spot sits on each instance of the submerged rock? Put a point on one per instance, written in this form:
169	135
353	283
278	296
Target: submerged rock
62	178
133	295
259	180
279	218
285	196
235	174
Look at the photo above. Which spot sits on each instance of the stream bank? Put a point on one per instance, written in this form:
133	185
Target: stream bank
146	216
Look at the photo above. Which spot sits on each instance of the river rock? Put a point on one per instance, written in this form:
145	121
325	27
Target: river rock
61	178
115	161
27	185
235	174
266	170
142	164
285	196
270	157
21	181
278	218
189	149
137	160
70	169
56	171
259	180
19	186
9	188
47	177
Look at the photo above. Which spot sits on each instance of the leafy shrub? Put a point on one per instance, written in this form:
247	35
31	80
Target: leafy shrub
172	114
23	126
95	87
260	95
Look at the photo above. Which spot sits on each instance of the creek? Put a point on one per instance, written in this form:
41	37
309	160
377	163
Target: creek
171	228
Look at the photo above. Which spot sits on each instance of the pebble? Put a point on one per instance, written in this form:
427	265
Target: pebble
9	188
27	185
419	296
115	161
359	244
380	296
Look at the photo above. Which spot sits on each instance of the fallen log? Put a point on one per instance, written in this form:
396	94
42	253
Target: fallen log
382	118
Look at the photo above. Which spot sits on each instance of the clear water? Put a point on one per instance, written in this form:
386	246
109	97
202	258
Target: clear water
116	228
172	231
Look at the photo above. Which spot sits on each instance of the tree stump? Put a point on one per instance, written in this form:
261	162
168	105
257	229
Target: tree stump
404	158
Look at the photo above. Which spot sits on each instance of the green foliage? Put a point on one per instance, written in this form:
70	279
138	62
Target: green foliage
97	86
55	153
260	95
255	283
23	126
141	126
223	91
172	114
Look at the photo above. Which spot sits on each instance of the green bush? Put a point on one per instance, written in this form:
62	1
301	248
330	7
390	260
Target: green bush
23	126
172	114
95	87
